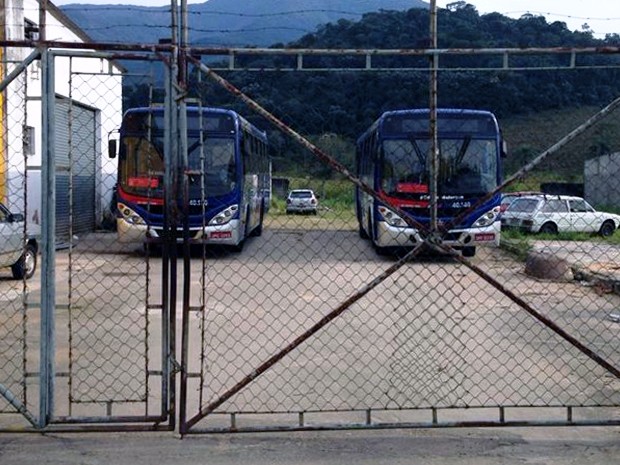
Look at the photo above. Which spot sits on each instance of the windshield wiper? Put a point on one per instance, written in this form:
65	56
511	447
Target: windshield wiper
462	150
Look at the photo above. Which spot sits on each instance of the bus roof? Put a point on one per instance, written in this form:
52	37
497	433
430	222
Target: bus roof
416	121
235	118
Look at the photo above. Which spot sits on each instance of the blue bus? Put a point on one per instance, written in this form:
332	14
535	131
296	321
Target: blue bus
228	177
393	157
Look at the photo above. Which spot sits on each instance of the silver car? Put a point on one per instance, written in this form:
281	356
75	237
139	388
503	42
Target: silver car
301	201
553	214
15	251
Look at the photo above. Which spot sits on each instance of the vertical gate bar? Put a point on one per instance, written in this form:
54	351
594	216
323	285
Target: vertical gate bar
42	20
24	306
168	272
69	284
182	140
170	227
184	166
22	406
203	263
434	65
368	417
48	234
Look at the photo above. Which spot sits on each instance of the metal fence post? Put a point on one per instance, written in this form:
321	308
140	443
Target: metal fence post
48	232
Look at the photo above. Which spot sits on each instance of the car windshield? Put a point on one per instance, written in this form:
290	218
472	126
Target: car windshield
301	194
523	205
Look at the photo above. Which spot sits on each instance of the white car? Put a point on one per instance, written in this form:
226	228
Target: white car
15	251
301	201
553	214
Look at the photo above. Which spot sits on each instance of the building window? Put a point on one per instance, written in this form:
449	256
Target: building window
31	30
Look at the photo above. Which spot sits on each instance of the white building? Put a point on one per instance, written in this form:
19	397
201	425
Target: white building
88	107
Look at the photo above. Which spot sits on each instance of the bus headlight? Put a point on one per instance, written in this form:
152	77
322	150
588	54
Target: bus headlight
392	218
487	219
129	215
224	216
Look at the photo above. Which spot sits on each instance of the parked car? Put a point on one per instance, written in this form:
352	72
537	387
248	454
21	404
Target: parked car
558	213
15	251
510	197
301	201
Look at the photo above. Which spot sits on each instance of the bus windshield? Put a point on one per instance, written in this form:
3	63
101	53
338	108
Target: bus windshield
466	166
142	169
215	157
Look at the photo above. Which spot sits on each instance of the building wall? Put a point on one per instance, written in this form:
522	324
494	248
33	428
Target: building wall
90	82
601	181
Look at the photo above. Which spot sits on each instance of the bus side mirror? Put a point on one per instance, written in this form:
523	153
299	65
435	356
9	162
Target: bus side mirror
504	149
112	148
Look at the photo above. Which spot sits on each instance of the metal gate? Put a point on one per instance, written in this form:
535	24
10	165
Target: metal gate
307	327
87	340
315	331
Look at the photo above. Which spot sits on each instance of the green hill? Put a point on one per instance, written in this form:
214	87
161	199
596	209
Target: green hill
225	22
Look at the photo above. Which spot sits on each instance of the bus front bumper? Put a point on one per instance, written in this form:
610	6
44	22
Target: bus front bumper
228	234
390	236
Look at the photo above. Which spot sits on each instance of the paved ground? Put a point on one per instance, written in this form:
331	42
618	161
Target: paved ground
537	446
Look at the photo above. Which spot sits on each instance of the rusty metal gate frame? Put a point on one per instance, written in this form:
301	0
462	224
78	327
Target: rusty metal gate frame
432	239
5	392
46	419
165	419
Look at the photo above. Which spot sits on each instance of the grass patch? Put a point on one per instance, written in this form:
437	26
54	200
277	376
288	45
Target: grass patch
521	241
516	243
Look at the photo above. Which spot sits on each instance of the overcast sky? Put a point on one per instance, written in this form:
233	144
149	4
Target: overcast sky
603	16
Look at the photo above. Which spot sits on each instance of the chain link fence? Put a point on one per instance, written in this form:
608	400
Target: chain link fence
288	271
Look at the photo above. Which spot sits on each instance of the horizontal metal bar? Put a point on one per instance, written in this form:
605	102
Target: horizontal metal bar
440	410
109	419
404	425
414	69
403	52
105	428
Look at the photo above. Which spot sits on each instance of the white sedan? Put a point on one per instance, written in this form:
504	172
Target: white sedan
15	251
552	214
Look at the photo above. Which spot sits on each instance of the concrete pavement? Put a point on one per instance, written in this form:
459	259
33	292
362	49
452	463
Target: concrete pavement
479	446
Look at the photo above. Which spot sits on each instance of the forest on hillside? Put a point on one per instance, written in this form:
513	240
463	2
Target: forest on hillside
341	105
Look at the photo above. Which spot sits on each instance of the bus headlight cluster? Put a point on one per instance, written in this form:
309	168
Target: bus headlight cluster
224	216
392	218
129	215
487	219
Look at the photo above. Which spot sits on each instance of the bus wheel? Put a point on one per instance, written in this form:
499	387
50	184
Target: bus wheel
238	248
362	232
469	252
258	230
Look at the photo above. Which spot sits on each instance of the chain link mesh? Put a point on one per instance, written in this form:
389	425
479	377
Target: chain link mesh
308	315
16	292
